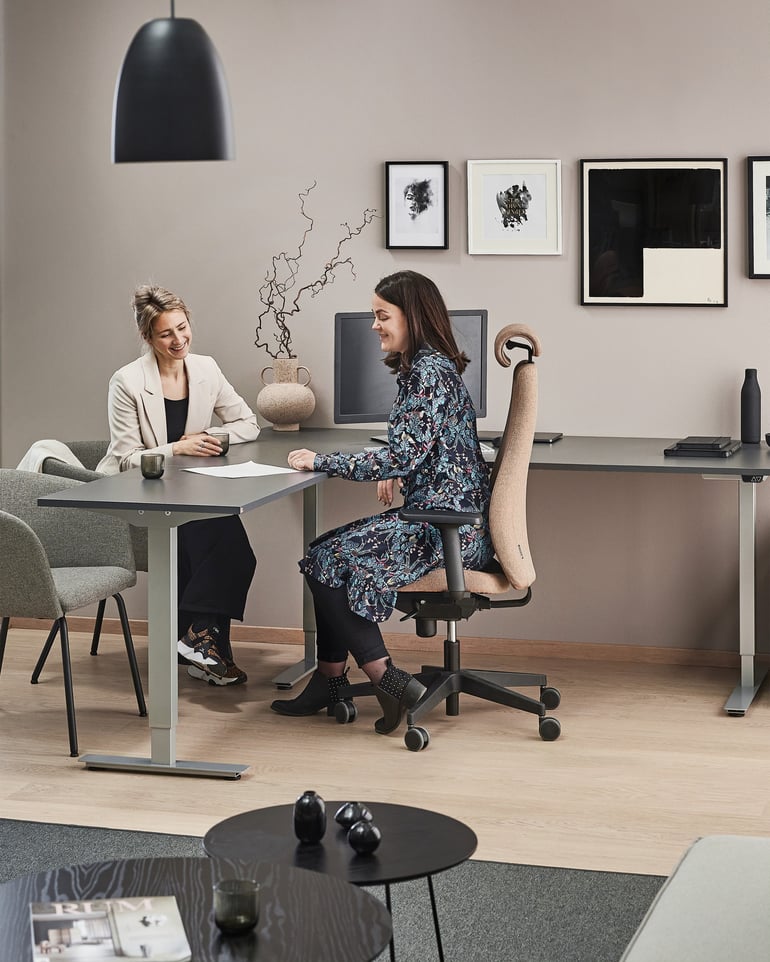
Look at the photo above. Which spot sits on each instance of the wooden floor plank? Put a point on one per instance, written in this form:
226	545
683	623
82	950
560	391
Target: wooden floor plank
647	762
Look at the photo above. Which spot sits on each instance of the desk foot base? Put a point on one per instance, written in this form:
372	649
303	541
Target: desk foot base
127	763
290	676
743	695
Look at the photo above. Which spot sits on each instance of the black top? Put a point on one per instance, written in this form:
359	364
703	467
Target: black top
303	917
415	843
176	418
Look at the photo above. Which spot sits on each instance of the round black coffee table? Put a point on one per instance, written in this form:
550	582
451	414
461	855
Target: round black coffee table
356	926
416	843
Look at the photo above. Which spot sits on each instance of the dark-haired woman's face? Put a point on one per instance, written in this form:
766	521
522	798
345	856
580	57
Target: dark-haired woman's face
390	324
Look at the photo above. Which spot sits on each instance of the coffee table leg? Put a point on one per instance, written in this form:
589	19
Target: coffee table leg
390	910
435	919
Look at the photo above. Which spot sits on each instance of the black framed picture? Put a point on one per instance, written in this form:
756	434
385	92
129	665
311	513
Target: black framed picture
758	183
416	204
654	232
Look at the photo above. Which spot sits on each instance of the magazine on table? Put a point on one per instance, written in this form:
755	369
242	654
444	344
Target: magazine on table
121	928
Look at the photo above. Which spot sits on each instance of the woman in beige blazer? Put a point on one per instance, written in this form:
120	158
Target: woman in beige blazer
165	402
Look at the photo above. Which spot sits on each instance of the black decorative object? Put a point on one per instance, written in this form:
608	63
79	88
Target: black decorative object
171	100
351	812
364	837
309	817
751	408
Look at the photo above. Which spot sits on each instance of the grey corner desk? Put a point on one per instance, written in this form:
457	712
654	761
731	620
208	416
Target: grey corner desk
180	496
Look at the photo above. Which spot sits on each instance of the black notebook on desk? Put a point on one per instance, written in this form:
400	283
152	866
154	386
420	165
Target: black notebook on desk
697	446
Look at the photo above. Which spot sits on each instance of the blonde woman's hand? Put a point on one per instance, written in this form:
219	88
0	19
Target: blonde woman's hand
301	459
200	445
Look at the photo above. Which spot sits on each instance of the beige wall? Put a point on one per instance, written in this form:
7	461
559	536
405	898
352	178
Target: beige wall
327	90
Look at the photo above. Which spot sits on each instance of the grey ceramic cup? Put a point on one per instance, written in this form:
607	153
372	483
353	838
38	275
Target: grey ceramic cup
223	437
153	465
236	905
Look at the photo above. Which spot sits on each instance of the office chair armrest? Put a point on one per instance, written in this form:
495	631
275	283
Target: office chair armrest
440	516
449	524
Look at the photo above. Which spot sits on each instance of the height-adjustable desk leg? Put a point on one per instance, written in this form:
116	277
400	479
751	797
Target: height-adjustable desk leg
751	678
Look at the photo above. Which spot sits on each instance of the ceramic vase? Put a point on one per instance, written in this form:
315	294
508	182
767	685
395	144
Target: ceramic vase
309	817
751	405
350	813
284	401
364	837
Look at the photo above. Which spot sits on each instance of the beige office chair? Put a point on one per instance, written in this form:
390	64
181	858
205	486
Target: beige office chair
56	560
90	453
452	593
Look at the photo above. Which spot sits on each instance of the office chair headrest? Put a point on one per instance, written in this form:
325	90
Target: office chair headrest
513	331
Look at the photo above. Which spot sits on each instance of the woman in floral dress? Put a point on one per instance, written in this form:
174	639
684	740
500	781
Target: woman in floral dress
355	572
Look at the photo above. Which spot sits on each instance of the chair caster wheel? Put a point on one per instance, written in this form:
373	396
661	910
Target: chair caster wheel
550	697
550	729
416	739
345	712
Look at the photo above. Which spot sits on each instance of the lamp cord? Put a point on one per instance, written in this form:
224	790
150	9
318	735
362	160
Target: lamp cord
172	9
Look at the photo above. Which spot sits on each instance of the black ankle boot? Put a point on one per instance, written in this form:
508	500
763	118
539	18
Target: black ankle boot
397	692
320	692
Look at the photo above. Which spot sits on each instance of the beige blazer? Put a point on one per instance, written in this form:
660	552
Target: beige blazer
137	414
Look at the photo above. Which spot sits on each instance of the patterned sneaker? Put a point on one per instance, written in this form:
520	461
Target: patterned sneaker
232	676
200	648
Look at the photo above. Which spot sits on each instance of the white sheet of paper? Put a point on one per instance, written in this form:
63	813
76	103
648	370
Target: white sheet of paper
249	469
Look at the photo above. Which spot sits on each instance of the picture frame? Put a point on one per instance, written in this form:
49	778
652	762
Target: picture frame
514	207
758	187
416	204
654	232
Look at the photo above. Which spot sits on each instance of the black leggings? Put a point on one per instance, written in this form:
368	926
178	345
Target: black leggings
340	630
215	565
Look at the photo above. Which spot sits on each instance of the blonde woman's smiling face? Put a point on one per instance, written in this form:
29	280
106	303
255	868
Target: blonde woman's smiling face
390	325
171	336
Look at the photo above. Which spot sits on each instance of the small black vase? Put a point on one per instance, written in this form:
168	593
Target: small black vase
309	818
364	837
751	408
350	813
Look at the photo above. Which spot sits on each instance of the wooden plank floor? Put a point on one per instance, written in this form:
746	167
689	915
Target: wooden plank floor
647	761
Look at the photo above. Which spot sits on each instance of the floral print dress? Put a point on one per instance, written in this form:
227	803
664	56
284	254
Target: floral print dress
434	449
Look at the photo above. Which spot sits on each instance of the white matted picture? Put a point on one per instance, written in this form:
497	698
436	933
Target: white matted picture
416	204
758	182
654	232
514	207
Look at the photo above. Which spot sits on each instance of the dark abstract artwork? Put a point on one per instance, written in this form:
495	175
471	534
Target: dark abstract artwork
653	232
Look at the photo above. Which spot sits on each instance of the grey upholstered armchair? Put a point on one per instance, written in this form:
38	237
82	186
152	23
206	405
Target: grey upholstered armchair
90	453
55	560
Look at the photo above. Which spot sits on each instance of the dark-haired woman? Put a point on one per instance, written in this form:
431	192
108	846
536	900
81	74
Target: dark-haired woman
355	571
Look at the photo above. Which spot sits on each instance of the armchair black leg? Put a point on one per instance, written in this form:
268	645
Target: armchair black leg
45	652
4	625
131	654
98	627
68	694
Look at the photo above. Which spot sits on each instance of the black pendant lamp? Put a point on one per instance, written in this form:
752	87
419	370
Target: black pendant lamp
171	101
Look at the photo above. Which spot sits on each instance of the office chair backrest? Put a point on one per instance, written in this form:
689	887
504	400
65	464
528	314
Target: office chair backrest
508	507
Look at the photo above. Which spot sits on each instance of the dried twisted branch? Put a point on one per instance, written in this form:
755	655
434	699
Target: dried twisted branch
280	295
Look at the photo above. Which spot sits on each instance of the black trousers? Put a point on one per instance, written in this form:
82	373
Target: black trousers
340	631
215	565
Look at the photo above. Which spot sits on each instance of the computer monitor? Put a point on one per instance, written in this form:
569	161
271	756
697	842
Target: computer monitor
365	389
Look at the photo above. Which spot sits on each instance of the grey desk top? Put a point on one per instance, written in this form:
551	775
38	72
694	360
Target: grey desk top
180	490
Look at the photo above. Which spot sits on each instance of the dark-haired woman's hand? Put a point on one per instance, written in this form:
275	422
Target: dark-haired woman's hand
301	459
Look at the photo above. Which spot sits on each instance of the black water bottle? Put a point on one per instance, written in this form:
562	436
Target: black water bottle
751	408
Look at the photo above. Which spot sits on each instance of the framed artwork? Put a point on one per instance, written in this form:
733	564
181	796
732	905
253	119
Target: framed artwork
416	204
514	207
758	179
654	232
